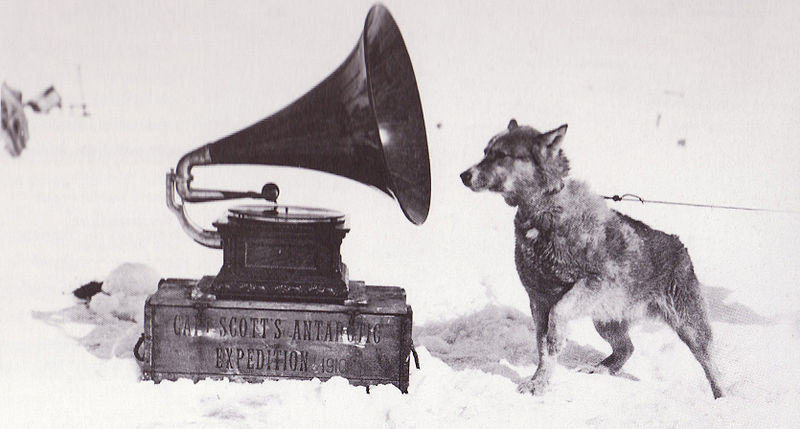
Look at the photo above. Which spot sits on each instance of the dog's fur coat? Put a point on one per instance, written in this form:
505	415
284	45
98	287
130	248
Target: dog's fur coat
575	257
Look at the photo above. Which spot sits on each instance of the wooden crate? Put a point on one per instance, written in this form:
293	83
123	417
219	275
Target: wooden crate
190	336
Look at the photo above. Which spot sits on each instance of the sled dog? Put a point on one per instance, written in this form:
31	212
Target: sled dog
576	257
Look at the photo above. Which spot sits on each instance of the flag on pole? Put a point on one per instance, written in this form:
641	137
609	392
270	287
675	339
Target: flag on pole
14	130
45	101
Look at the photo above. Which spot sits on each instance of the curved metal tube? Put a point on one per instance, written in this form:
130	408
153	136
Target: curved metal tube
203	236
183	177
181	180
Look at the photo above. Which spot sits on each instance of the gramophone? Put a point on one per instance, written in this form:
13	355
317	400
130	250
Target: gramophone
282	304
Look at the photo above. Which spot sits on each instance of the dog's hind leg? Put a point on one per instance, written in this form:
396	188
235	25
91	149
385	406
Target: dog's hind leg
616	333
686	313
695	332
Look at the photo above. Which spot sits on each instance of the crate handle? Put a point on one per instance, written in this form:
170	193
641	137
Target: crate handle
137	347
413	353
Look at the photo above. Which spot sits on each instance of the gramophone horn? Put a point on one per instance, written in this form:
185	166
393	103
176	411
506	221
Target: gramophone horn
364	122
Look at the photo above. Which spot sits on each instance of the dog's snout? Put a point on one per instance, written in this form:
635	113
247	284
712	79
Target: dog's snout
466	177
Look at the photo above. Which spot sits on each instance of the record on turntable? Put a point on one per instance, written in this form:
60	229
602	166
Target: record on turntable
275	213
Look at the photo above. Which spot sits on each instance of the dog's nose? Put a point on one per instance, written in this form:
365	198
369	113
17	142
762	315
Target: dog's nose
466	177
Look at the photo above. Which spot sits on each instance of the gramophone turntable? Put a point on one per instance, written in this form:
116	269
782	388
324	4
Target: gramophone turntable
282	253
282	304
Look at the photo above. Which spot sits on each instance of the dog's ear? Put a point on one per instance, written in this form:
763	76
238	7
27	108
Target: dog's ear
553	138
512	124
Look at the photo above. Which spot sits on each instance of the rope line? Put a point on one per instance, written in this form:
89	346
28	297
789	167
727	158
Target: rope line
633	197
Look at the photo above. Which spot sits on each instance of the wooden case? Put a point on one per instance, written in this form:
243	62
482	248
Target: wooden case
366	340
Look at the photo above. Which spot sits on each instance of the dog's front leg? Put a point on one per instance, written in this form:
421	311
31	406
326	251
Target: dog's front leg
551	323
549	341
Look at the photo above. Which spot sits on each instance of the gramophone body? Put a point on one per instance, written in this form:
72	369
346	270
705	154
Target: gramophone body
276	257
282	304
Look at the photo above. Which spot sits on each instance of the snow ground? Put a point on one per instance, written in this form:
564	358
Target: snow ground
161	78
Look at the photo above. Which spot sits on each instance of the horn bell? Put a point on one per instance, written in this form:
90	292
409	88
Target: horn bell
364	122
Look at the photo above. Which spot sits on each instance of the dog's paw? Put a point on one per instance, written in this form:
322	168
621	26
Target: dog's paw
534	386
593	369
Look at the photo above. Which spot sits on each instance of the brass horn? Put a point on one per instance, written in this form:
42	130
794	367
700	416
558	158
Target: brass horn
364	122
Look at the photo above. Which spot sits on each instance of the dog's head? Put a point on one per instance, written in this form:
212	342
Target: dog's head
520	162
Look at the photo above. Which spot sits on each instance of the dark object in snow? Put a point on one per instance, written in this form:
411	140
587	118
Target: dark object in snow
44	102
88	290
14	129
14	124
682	142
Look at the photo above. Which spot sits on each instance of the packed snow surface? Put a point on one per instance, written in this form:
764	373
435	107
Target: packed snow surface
678	101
